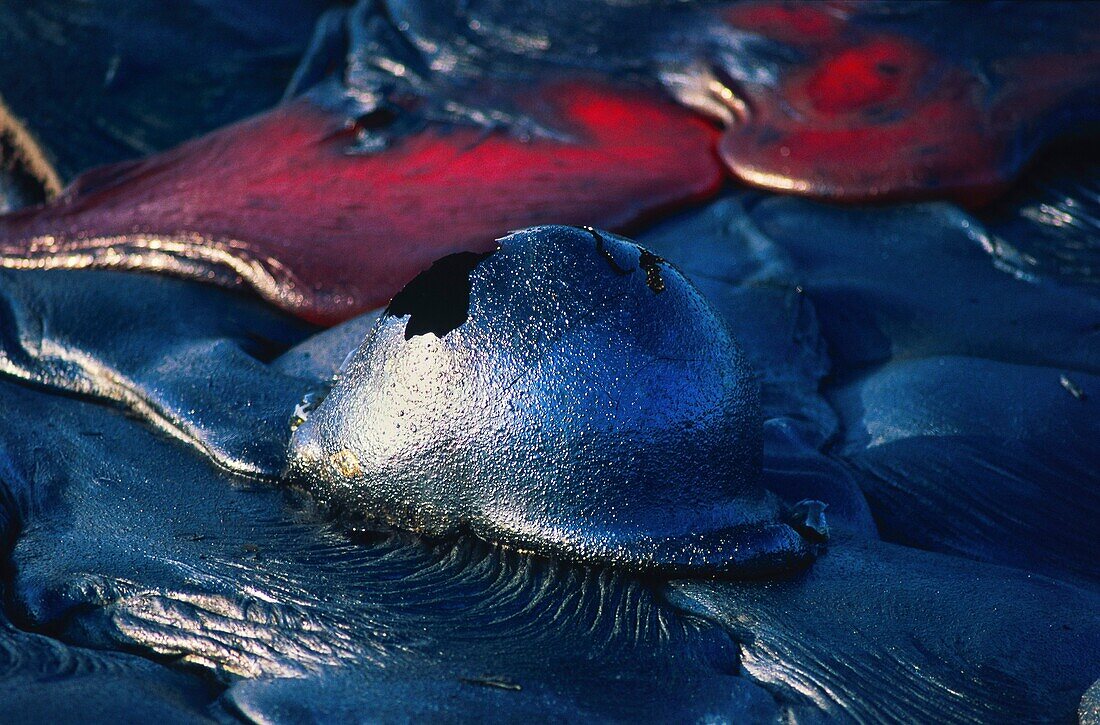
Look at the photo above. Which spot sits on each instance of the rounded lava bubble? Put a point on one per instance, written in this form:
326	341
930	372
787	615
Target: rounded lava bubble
569	394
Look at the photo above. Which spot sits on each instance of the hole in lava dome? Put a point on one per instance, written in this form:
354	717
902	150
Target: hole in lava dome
438	299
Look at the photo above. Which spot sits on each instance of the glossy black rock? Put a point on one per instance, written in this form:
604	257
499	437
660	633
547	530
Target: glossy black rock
570	394
906	349
146	547
191	360
881	633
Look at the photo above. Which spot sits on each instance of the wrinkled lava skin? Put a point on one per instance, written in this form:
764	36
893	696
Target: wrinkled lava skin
246	605
558	114
147	547
957	387
44	680
974	650
103	335
932	375
584	403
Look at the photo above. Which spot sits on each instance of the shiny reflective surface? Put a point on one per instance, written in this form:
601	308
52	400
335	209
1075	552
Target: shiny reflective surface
146	547
329	204
190	361
927	376
958	389
569	394
927	637
230	587
327	234
884	100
